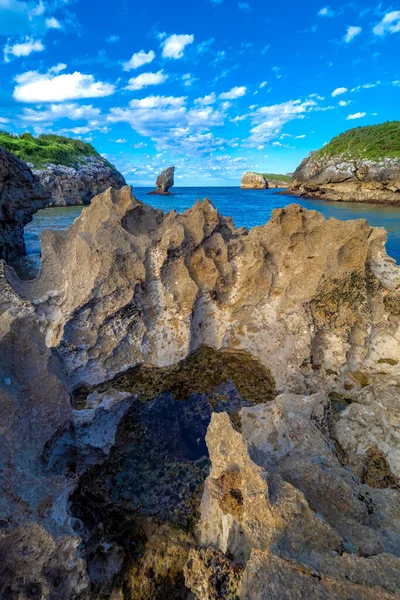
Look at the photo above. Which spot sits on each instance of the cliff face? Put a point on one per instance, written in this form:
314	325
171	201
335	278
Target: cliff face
142	326
355	180
21	196
78	185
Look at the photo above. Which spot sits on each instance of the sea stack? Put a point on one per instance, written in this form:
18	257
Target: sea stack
253	181
164	182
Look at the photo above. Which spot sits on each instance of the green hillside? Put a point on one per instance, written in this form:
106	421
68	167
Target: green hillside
276	176
43	149
372	142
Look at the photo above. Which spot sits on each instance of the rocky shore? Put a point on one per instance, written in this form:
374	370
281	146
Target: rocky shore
341	179
192	410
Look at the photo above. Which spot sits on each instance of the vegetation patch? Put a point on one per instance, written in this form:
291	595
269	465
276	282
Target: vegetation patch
43	149
276	176
373	142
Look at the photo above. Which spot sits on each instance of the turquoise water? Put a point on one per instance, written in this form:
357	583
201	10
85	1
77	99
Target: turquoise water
247	207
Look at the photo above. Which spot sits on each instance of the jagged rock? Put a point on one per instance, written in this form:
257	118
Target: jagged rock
253	181
127	284
164	182
78	185
348	180
20	197
289	518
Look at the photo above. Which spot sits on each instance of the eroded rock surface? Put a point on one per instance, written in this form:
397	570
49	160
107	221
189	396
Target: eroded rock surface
348	180
287	516
253	181
315	300
78	185
164	182
20	197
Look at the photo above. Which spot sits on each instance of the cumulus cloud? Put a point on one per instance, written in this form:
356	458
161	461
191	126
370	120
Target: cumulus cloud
72	111
235	92
52	86
174	45
339	91
145	79
326	12
269	120
121	141
139	59
22	48
53	23
158	101
245	6
357	115
389	24
206	100
344	102
113	39
352	32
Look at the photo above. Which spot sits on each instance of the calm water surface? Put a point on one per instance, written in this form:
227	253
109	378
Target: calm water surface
247	207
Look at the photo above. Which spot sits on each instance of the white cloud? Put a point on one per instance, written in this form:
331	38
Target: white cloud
389	24
352	32
300	137
53	23
145	79
235	92
113	39
3	120
174	45
188	79
138	59
33	86
205	100
245	6
121	141
339	91
23	48
263	84
326	12
358	115
72	111
269	120
344	102
158	101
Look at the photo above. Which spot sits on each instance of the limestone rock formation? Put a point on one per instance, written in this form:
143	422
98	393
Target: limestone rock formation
253	181
127	284
20	197
281	517
164	182
348	180
78	185
141	329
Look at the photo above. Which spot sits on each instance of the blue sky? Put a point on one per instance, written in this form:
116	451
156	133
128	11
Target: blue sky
215	87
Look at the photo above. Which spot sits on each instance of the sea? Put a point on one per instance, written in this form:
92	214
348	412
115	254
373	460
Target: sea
247	208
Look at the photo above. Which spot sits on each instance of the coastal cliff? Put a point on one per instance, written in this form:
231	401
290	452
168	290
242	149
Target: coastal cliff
154	346
361	165
76	185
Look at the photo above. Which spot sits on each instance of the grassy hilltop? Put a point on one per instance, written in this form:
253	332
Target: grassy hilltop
372	142
276	176
44	149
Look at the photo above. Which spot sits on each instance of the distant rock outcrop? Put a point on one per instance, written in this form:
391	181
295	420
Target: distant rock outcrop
253	181
348	180
276	183
164	182
78	185
21	195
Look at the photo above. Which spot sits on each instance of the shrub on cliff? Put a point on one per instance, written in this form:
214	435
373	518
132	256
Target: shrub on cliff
372	142
43	149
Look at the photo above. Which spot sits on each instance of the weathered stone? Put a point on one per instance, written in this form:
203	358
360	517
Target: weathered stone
348	180
253	181
78	185
164	182
276	183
